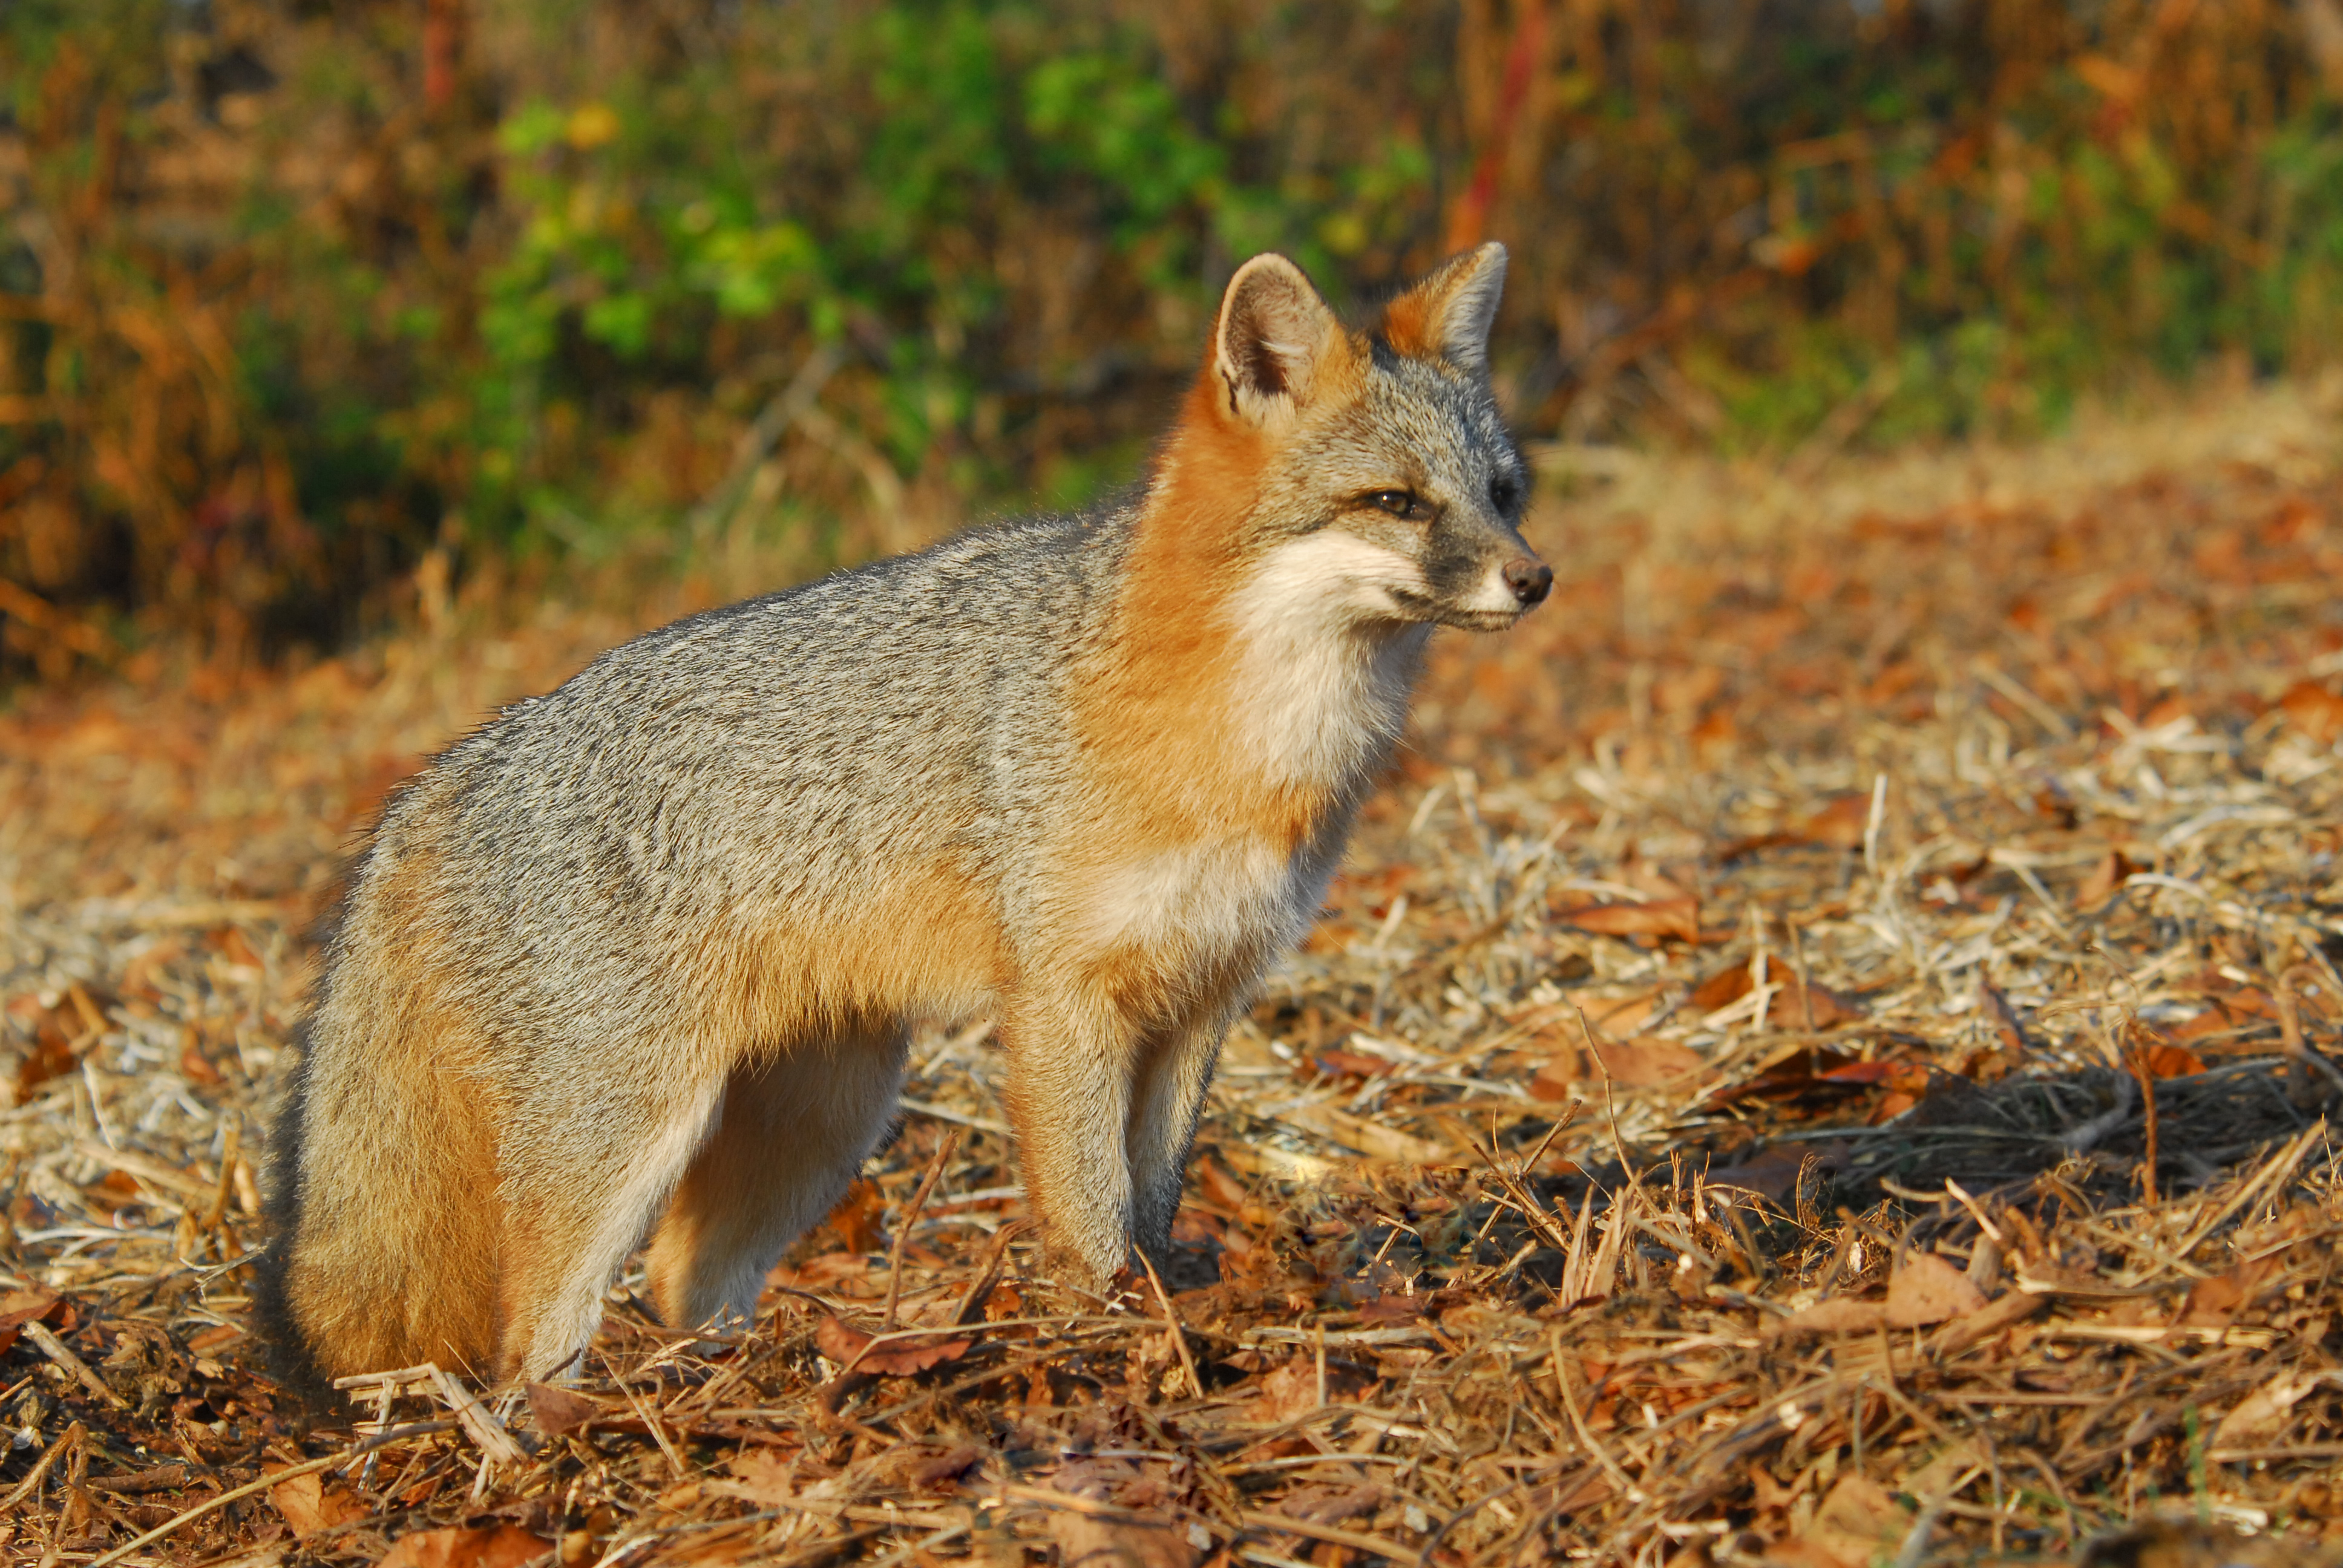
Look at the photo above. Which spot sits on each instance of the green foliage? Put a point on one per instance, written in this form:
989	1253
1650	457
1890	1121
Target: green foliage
282	322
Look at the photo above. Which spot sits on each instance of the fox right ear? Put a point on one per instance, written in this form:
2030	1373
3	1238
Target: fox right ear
1273	340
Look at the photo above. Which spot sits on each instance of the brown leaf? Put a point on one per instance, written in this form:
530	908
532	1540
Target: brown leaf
1648	1063
2261	1415
1809	1005
1287	1392
2107	880
18	1308
1772	1172
1676	918
1618	1017
1795	1005
1798	1069
764	1477
1332	1504
194	1065
498	1547
1928	1289
946	1468
307	1504
55	1031
2313	709
1859	1521
2213	1302
896	1358
2167	1060
1842	823
1350	1064
558	1411
1084	1542
856	1218
1839	1315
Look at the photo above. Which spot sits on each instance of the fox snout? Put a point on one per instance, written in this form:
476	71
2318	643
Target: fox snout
1530	578
1490	587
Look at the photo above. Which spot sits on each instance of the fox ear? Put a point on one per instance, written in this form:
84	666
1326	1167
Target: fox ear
1273	340
1448	315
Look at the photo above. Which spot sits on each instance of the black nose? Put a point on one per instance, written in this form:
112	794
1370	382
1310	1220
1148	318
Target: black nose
1529	580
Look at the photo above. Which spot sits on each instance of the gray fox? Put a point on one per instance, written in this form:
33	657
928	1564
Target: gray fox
639	957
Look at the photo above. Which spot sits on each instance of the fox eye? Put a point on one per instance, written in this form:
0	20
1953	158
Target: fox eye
1398	503
1504	490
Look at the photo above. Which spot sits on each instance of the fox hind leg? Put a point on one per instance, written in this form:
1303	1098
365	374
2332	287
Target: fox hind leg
790	1135
572	1215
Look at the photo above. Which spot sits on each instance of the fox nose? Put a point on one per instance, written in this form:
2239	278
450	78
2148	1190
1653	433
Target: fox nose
1529	580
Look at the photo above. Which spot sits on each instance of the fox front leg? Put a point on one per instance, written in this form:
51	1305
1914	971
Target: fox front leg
1069	1062
1174	1071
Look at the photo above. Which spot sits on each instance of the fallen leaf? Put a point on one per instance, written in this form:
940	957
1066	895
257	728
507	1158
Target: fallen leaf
1796	1070
2107	879
1842	823
1332	1504
2166	1061
1928	1289
2213	1302
18	1308
308	1506
2313	709
1677	919
55	1031
1350	1064
1772	1172
1619	1017
1369	1138
1905	1076
2260	1416
1859	1521
1084	1542
764	1477
557	1411
1998	1012
1648	1063
1839	1315
1572	1492
856	1218
498	1547
1287	1392
947	1467
895	1357
1793	1005
194	1065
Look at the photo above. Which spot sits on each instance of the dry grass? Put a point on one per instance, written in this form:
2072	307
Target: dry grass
1819	1057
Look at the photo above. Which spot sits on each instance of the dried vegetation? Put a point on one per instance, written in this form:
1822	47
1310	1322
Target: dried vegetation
1822	1055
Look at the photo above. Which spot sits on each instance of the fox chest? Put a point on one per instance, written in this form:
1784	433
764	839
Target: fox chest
1204	906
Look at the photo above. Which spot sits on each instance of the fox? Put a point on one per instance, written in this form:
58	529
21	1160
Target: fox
636	962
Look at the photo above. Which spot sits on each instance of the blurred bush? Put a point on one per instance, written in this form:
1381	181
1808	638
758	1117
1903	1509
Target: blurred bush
299	294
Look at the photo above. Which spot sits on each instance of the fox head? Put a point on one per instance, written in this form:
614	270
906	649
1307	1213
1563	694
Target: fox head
1372	474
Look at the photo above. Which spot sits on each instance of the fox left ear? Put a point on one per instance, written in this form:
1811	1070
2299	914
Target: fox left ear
1275	338
1449	314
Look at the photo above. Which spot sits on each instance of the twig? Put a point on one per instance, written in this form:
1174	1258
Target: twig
331	1462
2147	1076
1611	1466
1180	1339
55	1349
944	1151
32	1481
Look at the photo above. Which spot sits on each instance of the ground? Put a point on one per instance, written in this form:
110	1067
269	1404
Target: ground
1821	1054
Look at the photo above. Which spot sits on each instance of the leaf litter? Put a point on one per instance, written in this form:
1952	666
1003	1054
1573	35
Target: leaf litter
1824	1053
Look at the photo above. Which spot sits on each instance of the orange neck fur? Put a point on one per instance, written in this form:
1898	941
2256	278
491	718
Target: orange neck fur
1157	716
